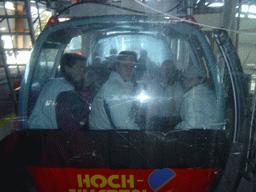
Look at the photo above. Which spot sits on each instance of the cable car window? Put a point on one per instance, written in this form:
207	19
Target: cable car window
167	69
44	69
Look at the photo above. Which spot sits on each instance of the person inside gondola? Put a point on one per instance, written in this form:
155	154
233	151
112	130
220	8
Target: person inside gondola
166	95
60	103
112	105
91	87
198	108
149	67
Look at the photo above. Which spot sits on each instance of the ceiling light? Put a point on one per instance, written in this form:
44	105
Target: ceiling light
252	16
216	5
241	15
252	9
244	8
63	19
9	5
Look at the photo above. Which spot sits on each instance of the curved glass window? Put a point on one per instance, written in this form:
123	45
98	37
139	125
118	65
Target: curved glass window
139	94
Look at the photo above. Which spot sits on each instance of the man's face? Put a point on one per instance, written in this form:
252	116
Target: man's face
126	68
77	71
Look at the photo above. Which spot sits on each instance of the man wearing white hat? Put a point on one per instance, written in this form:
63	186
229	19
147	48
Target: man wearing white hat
198	109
